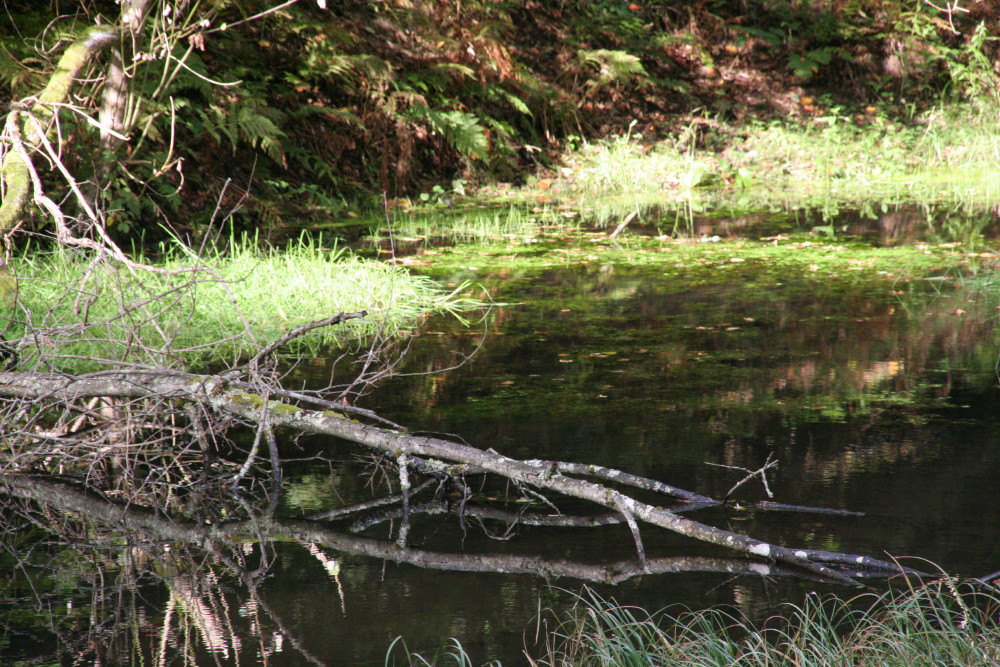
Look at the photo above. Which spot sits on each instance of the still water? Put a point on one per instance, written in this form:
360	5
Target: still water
874	397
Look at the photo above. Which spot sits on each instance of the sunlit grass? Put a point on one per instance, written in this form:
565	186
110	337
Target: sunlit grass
237	301
629	165
833	157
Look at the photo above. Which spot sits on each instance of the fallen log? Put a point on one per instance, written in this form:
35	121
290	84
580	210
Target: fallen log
218	395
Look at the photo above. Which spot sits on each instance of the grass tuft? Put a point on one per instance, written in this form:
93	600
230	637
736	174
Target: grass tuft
938	623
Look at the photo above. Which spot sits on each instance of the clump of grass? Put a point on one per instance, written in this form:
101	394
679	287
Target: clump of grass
937	623
452	653
625	165
91	312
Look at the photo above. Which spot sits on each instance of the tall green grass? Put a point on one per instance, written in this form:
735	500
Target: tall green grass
83	312
943	155
933	624
938	623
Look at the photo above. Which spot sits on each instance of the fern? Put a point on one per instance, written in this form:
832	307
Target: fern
260	132
462	130
247	123
612	66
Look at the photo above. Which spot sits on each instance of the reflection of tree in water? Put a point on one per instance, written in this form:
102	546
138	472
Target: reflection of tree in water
116	580
802	352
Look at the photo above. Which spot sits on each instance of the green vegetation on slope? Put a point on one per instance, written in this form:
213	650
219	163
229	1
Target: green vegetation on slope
310	110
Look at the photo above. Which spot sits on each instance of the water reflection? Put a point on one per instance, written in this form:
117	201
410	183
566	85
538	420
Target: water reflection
120	583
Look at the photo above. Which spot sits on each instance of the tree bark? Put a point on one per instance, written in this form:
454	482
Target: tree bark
117	97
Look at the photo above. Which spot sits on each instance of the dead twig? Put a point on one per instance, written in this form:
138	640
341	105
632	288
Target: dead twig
759	472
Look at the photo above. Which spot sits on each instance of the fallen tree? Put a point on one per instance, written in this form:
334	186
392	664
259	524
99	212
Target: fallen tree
219	397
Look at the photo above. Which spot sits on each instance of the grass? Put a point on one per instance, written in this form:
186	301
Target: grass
473	225
938	623
91	313
833	156
933	624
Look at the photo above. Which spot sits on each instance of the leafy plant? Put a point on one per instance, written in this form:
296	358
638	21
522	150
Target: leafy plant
461	129
611	67
807	64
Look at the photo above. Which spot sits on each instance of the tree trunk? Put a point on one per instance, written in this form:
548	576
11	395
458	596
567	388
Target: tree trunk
117	99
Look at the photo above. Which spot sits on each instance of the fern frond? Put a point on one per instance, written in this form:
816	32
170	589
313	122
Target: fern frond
463	131
612	66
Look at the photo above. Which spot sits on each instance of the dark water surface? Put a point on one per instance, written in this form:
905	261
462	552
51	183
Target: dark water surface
872	401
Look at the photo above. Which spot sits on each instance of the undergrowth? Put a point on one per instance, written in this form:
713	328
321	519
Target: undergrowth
831	157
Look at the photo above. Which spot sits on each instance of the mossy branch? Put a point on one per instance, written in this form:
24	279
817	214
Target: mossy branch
14	171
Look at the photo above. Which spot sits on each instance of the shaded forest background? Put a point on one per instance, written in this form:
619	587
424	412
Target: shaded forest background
296	110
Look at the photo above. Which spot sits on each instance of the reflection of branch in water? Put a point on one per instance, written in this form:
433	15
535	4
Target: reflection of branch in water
197	545
197	595
61	496
480	512
368	504
332	567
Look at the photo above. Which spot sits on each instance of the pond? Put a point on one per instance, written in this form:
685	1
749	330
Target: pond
876	394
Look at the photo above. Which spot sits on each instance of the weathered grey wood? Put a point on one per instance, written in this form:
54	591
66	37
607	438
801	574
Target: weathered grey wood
216	393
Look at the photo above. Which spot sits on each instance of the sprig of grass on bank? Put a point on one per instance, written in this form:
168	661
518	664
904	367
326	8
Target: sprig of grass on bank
939	623
237	301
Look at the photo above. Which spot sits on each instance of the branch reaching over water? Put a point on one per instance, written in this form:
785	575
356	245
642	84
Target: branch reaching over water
216	394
